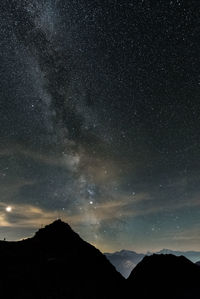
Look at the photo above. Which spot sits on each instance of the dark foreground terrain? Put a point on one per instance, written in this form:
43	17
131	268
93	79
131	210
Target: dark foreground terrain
56	263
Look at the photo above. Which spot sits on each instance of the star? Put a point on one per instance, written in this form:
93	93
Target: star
8	209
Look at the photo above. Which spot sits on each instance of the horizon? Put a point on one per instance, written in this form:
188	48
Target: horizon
132	249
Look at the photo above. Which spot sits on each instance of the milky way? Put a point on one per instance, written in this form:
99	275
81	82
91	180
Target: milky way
99	121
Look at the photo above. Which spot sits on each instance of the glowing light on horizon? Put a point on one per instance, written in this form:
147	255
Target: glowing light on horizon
9	209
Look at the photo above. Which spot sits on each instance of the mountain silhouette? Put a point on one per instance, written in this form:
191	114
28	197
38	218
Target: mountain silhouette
126	260
56	263
165	276
198	263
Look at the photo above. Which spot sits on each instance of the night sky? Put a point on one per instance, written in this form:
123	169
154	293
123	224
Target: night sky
100	120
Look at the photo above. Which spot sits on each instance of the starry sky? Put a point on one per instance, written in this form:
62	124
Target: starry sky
100	121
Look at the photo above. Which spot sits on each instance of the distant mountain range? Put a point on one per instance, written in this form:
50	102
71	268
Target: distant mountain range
193	256
125	260
57	264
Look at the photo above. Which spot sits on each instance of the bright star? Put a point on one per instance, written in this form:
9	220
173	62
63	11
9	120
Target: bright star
8	209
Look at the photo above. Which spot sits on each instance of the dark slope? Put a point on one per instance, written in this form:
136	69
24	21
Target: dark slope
56	263
198	263
165	276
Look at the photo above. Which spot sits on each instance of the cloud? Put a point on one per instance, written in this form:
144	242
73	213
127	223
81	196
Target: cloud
24	216
27	215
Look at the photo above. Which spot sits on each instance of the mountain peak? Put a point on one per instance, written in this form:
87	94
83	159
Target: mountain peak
57	230
57	262
158	262
58	223
158	271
